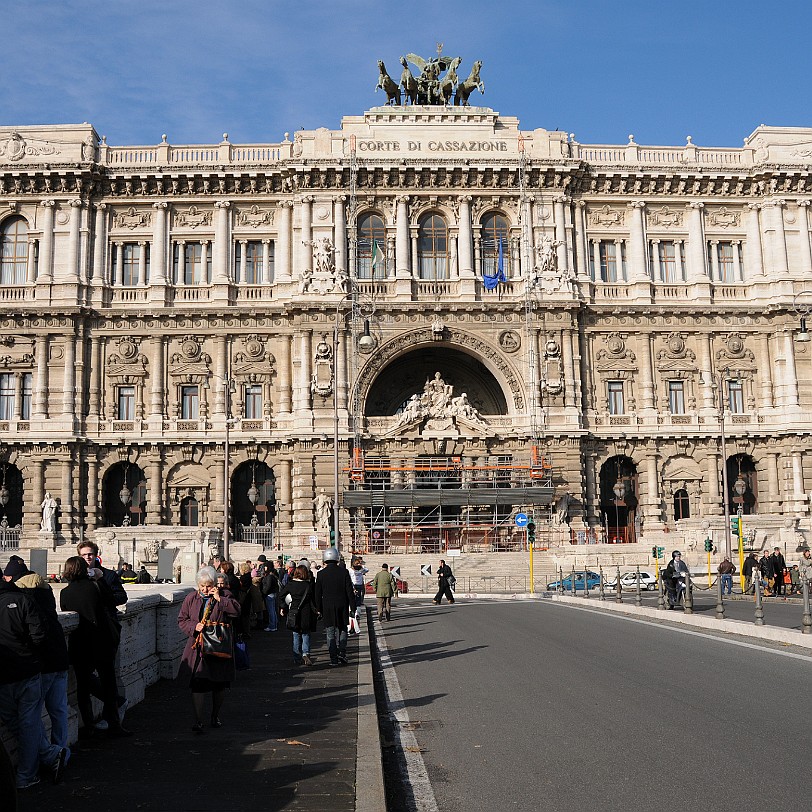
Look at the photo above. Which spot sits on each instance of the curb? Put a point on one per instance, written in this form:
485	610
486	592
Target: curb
370	793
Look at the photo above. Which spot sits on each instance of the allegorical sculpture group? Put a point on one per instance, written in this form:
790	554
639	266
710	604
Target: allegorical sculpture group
436	83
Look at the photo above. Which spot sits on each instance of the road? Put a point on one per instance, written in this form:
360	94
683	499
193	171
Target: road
533	704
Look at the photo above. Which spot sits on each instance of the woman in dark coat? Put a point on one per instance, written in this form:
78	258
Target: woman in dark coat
92	646
206	674
298	603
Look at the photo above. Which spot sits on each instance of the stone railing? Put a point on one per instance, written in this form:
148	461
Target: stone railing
213	155
151	646
689	155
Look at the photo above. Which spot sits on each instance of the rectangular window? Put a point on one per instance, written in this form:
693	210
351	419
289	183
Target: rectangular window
253	262
189	403
735	397
611	267
676	397
131	257
126	403
188	265
667	261
615	393
726	267
253	402
7	396
28	385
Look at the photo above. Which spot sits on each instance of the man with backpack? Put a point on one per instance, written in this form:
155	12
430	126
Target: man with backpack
269	587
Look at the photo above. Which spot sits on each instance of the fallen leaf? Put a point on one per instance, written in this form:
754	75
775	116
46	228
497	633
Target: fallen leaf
294	741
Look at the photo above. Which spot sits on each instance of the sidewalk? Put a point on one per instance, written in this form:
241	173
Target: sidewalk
288	741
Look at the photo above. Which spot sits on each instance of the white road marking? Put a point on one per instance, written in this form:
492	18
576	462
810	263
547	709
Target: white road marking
707	635
417	775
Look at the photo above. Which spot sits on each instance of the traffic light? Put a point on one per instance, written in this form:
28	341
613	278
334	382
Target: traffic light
332	536
660	552
531	532
708	546
654	552
734	524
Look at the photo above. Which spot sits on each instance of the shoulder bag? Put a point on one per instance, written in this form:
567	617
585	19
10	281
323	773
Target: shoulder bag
215	639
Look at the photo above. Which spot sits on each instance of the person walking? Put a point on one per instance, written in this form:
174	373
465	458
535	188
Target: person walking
335	599
357	574
93	644
726	572
206	674
269	587
779	569
22	639
298	602
750	564
805	566
445	580
386	588
765	566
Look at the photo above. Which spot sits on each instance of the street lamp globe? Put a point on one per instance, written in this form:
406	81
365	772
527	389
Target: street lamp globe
4	495
253	494
740	486
125	495
619	490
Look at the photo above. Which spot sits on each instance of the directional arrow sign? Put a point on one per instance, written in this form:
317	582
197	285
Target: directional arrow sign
425	570
395	571
521	520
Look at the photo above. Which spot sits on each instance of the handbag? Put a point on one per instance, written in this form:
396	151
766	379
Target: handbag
292	619
242	660
217	640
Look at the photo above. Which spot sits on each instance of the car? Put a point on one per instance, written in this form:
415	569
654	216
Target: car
592	581
403	587
628	580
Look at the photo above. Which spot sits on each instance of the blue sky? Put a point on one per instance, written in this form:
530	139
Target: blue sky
135	69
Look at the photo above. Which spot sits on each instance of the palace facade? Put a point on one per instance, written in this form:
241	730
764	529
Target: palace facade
489	320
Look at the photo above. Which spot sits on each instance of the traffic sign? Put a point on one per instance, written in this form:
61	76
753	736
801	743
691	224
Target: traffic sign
376	534
521	520
395	571
425	570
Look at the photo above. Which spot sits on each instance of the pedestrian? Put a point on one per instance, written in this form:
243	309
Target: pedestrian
92	645
206	674
765	566
335	599
750	565
269	587
726	572
143	576
298	602
445	580
386	588
794	580
287	574
779	568
805	566
23	636
357	574
54	655
261	566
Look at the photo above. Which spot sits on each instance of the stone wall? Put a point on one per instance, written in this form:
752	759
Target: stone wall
151	647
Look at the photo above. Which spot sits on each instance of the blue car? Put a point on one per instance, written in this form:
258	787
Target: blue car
592	579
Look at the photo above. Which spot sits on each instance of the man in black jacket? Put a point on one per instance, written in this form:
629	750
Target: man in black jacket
269	587
22	633
779	565
750	564
765	565
335	599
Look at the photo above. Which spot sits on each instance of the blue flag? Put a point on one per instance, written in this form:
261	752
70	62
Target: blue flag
491	282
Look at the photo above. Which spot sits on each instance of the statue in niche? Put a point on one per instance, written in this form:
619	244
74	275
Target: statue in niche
323	277
49	506
322	506
322	382
562	508
551	382
436	402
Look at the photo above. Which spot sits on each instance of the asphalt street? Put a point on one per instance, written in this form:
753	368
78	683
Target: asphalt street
531	704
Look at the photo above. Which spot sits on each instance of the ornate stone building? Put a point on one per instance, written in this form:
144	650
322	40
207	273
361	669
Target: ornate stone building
490	319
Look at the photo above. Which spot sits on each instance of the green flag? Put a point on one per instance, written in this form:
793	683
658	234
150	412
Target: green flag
378	257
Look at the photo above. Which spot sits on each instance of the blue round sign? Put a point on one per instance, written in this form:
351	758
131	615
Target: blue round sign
521	520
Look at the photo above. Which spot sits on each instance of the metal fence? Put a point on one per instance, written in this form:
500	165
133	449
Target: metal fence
10	538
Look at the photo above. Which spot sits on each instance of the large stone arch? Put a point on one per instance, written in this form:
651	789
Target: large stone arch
497	365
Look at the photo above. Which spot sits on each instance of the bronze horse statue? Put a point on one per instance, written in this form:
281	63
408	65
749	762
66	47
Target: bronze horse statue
408	82
472	83
386	84
449	81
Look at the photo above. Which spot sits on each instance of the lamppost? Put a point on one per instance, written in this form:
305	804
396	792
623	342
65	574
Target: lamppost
365	343
125	494
4	494
619	490
802	305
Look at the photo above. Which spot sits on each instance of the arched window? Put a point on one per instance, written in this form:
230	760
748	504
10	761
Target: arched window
432	248
189	513
495	233
371	247
13	251
682	505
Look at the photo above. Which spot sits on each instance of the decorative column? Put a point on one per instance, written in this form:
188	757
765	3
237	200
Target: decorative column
39	405
647	393
561	233
581	243
652	511
776	238
242	273
797	474
221	373
697	271
638	268
66	505
773	486
154	498
118	279
569	369
738	271
285	241
790	374
403	263
286	493
679	259
142	263
92	505
805	264
160	252
340	220
68	376
31	261
713	479
765	372
99	245
714	254
72	274
284	371
96	366
266	262
38	492
46	255
222	238
340	366
752	247
706	367
304	252
465	245
156	408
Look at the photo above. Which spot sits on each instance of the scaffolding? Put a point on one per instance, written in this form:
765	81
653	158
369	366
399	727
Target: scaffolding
431	504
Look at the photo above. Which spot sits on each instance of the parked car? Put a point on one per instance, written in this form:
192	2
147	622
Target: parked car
592	580
628	580
403	587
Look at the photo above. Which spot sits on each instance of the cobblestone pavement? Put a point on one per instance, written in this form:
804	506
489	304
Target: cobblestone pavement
288	741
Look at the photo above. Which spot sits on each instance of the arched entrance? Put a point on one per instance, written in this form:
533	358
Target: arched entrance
124	495
742	484
11	494
618	491
407	374
253	495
